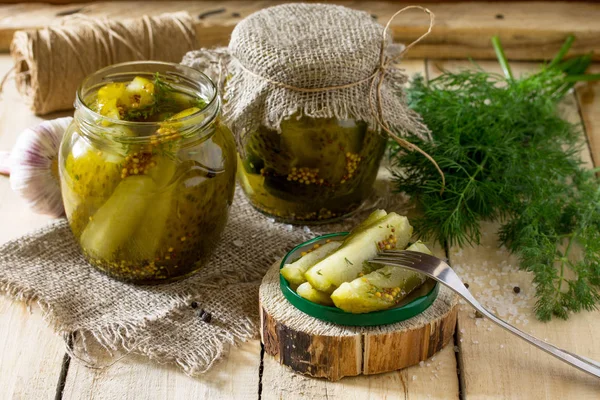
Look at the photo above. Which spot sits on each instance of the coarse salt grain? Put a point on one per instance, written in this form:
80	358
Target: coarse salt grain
422	364
414	377
238	243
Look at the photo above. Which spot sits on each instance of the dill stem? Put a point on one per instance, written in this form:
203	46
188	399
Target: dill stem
582	77
564	258
562	52
502	57
471	180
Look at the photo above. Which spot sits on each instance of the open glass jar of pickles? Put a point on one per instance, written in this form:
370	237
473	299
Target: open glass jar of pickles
147	170
314	170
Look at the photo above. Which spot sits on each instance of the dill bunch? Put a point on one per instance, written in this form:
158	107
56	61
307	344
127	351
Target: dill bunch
508	156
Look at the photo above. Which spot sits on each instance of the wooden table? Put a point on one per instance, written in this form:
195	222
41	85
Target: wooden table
483	362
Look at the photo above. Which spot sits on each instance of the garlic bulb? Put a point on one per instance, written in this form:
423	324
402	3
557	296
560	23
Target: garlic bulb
34	166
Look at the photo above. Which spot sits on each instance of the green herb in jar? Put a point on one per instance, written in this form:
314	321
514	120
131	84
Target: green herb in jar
144	100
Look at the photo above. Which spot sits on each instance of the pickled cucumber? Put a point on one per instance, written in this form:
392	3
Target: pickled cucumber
139	93
294	272
109	98
268	146
306	291
322	144
313	170
118	218
93	174
380	289
348	261
145	242
373	218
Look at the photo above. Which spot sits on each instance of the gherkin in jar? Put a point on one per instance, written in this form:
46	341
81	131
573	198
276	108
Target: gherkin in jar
147	175
314	170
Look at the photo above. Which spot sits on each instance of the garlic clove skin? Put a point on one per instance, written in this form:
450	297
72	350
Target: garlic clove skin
4	163
34	166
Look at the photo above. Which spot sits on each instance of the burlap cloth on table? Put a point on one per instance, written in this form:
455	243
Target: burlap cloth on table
85	305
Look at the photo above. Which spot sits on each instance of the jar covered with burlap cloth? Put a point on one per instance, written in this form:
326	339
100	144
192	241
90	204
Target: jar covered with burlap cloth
306	90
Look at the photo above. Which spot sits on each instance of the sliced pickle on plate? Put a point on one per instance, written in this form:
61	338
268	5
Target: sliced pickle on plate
373	218
294	272
308	292
380	289
347	262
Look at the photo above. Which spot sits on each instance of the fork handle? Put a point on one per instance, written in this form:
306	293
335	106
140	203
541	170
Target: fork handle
583	363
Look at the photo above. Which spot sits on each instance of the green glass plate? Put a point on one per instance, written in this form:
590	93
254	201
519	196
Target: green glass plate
413	304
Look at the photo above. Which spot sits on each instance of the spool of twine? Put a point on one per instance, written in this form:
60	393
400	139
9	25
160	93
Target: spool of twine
50	63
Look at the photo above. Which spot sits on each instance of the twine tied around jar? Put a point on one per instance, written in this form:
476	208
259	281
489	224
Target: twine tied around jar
375	86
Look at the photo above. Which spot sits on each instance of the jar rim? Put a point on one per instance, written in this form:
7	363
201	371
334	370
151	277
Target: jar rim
201	78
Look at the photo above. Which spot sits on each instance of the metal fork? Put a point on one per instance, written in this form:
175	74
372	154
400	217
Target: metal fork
441	272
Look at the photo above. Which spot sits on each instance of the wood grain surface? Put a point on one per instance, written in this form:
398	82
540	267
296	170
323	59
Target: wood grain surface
529	30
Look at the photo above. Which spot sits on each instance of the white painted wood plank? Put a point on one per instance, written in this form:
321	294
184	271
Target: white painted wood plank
135	377
435	380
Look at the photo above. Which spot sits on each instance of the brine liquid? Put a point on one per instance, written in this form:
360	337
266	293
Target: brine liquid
314	171
148	216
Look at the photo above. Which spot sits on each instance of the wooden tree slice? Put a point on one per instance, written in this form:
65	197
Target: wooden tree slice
325	350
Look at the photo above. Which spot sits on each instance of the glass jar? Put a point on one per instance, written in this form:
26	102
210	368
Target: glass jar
315	170
148	201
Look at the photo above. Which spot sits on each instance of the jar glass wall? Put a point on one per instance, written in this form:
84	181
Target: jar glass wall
147	201
313	171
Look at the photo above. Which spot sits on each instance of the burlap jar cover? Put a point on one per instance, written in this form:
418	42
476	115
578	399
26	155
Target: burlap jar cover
159	321
316	60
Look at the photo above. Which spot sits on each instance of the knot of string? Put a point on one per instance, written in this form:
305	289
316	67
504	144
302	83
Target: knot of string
376	80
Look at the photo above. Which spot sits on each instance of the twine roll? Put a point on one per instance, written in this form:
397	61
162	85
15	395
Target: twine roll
50	63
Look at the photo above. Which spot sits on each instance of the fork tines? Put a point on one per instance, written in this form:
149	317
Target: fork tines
402	254
398	256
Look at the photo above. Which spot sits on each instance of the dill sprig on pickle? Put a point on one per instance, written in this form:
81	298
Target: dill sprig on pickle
508	156
144	100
